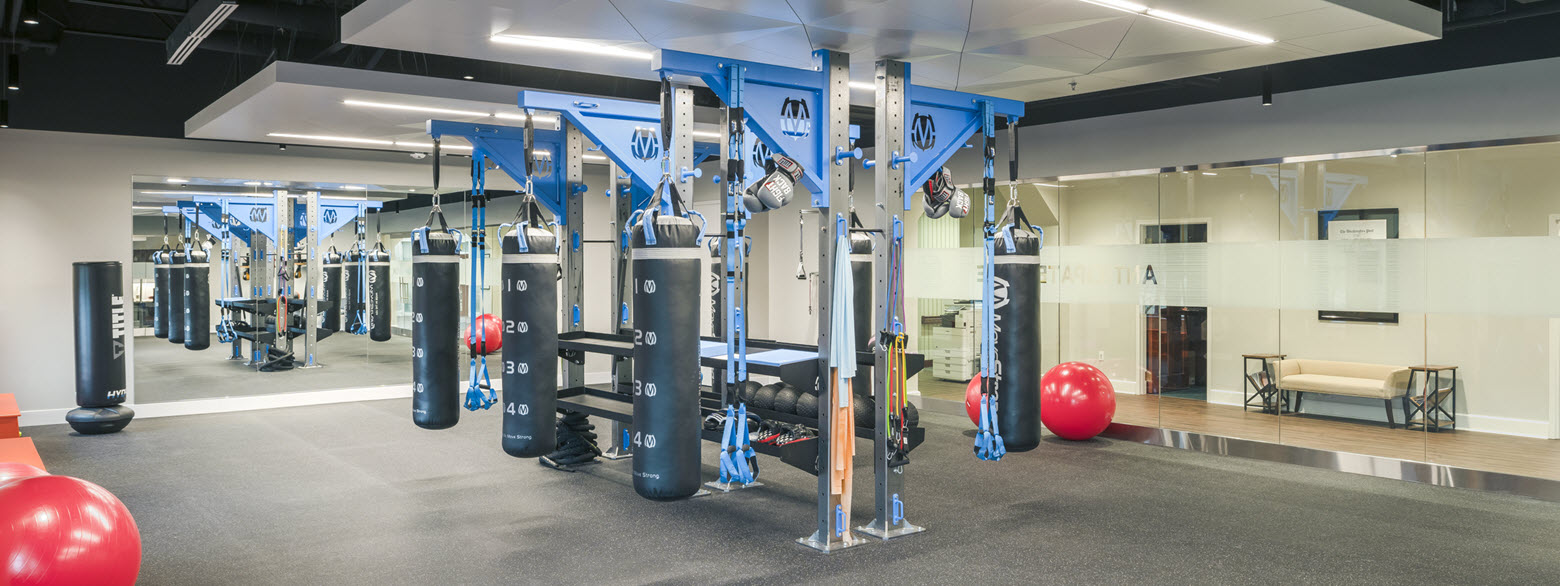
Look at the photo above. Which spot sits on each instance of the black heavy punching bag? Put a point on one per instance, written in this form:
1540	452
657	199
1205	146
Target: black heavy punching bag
530	306
1018	343
379	294
176	296
435	328
330	282
666	357
160	288
100	349
197	299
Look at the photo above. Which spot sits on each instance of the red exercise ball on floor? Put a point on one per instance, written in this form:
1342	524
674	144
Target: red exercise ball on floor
972	400
15	470
1077	401
493	327
63	530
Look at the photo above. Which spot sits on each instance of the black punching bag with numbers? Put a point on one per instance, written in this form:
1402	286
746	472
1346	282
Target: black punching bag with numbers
197	299
378	302
176	296
100	349
530	306
330	282
160	289
435	329
666	357
1018	342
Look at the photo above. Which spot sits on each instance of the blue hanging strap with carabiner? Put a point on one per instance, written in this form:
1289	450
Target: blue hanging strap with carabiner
988	439
479	388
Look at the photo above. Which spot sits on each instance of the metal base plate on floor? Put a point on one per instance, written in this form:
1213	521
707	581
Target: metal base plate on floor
902	530
849	540
614	454
731	486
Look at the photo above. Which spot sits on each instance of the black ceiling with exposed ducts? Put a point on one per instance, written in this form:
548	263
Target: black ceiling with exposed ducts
102	65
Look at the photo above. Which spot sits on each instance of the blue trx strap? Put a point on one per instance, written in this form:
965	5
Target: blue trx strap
479	391
225	331
359	325
988	440
736	452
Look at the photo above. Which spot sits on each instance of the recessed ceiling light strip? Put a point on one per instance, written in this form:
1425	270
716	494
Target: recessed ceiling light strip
1182	20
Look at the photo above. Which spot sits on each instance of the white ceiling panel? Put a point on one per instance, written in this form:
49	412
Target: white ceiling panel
956	44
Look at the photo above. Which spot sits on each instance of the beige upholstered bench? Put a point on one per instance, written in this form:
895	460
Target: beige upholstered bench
1351	379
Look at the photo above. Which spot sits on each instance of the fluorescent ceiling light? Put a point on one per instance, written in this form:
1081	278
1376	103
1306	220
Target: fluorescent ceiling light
252	183
535	118
863	85
175	180
216	193
324	138
1047	185
1186	21
571	45
411	108
593	157
705	134
190	33
1210	173
353	187
429	145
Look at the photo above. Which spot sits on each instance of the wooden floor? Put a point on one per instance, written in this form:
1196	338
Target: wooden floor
1464	449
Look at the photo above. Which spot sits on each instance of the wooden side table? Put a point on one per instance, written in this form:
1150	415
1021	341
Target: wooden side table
1262	384
1429	409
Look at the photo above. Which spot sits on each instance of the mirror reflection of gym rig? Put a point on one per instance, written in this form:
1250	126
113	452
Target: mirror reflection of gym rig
236	236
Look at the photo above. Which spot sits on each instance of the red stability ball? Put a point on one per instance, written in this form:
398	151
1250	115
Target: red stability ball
972	400
16	470
63	530
493	327
1077	401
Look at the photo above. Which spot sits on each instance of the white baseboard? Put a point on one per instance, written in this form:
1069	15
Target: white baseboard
1126	387
1504	425
1223	397
258	402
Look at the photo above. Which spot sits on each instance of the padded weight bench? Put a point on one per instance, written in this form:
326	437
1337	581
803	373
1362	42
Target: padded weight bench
1349	379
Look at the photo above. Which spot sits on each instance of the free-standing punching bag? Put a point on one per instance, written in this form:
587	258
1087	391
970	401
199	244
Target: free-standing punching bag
530	344
176	296
100	349
666	357
378	301
435	326
1017	270
330	281
197	298
160	288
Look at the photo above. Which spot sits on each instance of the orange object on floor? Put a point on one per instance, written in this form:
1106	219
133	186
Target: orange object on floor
21	450
10	416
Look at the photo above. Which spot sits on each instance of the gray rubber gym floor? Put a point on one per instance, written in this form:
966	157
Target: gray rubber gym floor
355	494
165	371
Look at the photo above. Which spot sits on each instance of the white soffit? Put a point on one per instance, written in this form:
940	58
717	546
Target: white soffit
1020	49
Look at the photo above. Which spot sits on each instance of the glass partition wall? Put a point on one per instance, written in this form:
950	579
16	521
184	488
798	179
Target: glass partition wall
1398	304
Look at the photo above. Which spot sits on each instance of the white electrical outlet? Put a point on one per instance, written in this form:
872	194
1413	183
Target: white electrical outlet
1102	355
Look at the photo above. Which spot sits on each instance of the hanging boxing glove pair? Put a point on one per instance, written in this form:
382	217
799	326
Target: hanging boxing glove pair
942	198
775	189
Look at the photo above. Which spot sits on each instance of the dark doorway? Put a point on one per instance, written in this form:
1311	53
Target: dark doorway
1178	351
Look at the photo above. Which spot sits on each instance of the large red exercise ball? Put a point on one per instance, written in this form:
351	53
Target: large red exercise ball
15	470
972	400
60	530
493	328
1077	401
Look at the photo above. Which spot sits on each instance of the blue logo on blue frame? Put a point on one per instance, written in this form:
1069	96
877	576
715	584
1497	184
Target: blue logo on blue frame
795	119
761	153
542	163
645	145
923	132
329	215
257	214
